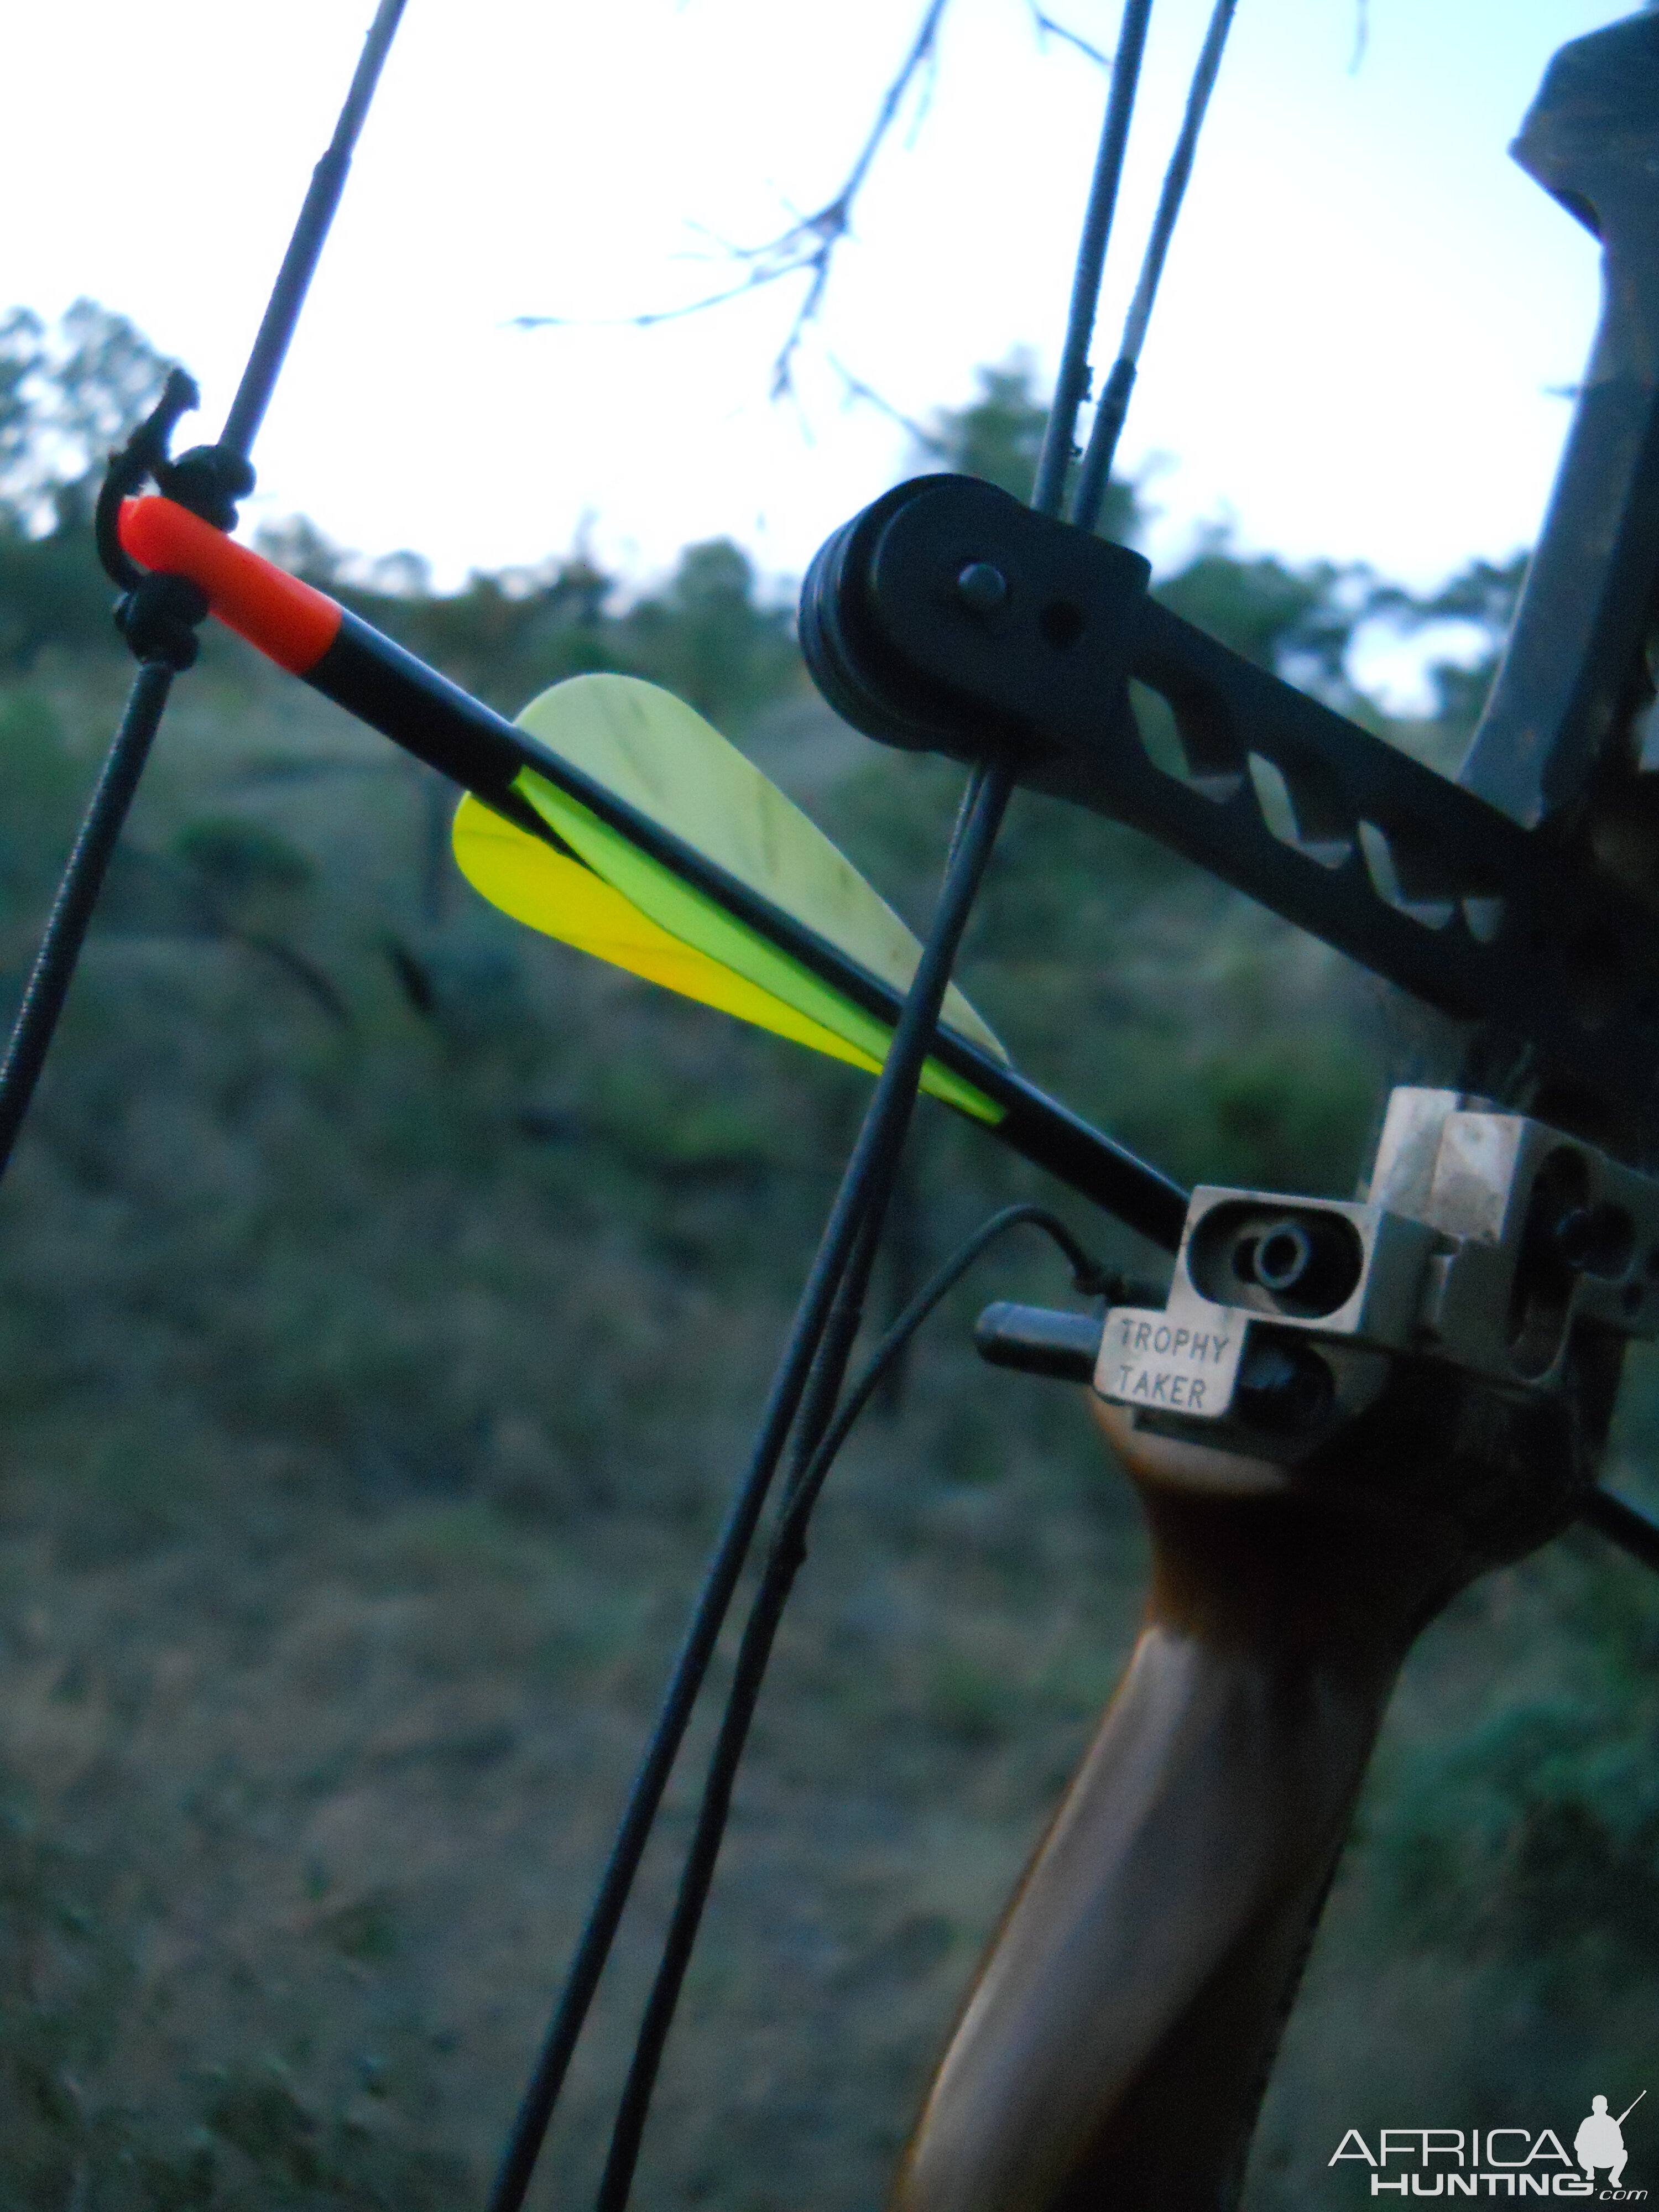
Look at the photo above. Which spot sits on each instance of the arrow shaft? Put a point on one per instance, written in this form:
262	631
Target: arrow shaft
388	688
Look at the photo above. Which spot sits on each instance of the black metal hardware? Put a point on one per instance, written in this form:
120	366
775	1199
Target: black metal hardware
1283	1384
1576	671
1405	870
1039	1341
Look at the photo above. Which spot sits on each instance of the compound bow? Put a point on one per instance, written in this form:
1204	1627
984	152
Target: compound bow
1343	1414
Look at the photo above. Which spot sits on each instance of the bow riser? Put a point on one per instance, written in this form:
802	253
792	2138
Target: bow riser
1115	2048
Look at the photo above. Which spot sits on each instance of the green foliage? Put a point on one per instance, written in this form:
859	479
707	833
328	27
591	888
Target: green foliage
237	860
41	789
1484	596
67	397
1507	1845
998	434
709	634
504	637
1528	1844
21	334
1297	622
707	638
52	592
385	1298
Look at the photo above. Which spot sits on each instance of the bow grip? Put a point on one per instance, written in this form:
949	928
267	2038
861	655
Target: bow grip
1115	2048
1574	673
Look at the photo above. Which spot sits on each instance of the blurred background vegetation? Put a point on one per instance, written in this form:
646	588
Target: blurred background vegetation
386	1297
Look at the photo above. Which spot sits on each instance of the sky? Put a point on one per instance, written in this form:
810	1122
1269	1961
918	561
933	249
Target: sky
1364	315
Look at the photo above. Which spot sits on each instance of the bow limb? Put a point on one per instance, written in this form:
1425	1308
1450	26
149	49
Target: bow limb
1575	672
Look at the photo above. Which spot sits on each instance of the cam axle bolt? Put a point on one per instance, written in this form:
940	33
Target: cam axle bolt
982	588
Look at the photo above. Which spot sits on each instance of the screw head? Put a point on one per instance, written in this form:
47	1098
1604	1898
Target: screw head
982	588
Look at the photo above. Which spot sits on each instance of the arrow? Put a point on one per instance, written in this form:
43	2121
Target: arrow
609	898
697	896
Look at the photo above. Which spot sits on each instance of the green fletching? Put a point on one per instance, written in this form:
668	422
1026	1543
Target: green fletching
695	919
659	754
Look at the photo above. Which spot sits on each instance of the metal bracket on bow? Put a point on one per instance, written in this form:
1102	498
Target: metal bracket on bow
947	607
1485	1240
1508	898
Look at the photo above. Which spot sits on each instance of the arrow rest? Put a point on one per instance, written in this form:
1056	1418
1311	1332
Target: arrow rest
1489	1244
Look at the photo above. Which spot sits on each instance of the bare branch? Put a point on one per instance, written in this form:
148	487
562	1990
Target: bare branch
1361	31
649	321
1048	29
924	107
855	388
808	245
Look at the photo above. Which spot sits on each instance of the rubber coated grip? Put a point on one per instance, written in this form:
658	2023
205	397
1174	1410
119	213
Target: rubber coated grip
292	623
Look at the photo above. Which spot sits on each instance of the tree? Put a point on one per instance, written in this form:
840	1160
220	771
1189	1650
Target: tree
67	397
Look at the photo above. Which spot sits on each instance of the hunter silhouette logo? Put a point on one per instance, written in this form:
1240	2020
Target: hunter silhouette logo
1600	2141
1499	2162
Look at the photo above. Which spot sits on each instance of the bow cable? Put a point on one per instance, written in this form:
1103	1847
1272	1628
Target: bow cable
160	613
850	1230
815	1449
1114	405
1072	384
304	248
815	1456
810	1377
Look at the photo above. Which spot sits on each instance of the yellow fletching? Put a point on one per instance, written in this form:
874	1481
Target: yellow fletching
613	899
559	897
659	754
